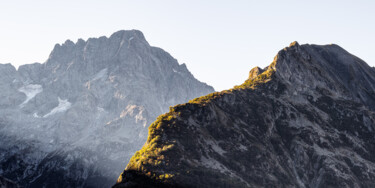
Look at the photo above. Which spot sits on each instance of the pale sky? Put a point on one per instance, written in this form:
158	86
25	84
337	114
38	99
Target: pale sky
220	41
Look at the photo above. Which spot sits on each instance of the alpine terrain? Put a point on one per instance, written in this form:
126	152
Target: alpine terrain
74	120
306	120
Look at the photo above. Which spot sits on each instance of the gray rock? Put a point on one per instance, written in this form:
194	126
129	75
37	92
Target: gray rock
307	120
71	121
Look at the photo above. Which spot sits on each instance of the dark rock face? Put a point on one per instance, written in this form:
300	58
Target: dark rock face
307	120
5	183
71	121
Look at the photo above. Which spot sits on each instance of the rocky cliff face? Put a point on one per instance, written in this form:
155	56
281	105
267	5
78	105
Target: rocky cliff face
307	120
71	121
5	183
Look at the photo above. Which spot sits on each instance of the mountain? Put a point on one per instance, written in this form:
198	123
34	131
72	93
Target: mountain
306	120
73	120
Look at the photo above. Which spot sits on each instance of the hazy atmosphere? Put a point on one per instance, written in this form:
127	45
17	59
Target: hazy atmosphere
170	93
219	41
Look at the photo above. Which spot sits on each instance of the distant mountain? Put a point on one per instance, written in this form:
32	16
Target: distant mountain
75	120
307	120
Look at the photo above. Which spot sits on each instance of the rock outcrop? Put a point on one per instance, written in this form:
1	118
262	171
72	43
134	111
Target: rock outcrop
73	120
5	183
307	120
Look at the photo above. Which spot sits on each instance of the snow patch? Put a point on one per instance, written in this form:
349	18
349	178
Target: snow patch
130	39
176	71
63	106
36	115
30	91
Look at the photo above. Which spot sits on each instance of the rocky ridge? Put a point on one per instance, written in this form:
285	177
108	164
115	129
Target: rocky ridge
307	120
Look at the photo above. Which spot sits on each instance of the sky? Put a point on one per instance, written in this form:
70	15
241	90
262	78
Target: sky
219	41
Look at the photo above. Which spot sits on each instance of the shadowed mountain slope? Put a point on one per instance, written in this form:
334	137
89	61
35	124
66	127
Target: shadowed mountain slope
5	183
307	120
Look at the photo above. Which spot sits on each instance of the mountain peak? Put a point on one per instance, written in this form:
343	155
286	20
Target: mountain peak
326	66
294	43
92	100
307	120
254	72
68	43
127	34
121	45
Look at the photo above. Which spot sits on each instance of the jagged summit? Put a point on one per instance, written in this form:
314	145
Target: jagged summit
73	120
122	34
103	48
294	43
332	68
306	120
310	67
254	72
